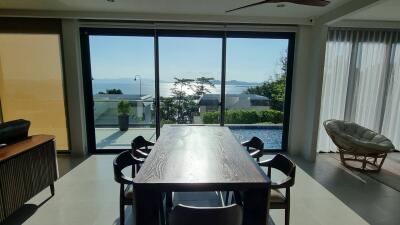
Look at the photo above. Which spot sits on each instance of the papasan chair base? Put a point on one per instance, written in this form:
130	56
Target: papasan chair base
362	162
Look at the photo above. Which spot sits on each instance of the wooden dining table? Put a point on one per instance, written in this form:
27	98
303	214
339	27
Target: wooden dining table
200	158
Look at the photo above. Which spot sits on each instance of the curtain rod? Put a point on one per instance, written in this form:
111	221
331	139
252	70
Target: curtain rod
190	26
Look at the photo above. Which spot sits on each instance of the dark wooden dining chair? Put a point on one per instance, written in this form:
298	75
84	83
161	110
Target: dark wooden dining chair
141	147
255	147
182	214
277	199
126	193
225	215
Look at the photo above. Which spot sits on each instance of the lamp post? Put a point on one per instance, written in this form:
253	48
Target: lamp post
140	85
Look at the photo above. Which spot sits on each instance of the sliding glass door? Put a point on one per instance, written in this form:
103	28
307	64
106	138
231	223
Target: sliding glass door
190	79
122	89
138	81
256	73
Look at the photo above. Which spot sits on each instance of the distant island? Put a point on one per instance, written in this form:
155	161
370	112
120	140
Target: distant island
235	82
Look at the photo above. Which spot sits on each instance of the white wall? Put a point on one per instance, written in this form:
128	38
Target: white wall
306	90
74	86
299	91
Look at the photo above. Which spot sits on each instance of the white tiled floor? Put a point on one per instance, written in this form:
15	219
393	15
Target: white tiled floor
312	204
89	195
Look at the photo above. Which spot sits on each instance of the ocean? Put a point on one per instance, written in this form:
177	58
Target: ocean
148	87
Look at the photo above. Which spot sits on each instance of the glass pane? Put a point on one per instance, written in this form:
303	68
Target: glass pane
255	88
123	89
190	72
31	84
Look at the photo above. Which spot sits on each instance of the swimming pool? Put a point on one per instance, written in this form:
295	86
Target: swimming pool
270	135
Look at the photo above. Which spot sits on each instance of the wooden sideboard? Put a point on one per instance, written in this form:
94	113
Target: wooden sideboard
26	168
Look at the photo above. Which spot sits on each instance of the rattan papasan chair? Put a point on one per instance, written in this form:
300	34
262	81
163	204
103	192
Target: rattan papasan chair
359	147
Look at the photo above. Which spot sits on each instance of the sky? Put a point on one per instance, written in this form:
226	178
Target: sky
248	59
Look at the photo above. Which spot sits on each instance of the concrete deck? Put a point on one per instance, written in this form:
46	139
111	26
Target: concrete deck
113	138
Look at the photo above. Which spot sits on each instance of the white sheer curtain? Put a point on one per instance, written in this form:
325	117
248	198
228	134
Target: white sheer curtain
361	82
391	121
371	70
336	73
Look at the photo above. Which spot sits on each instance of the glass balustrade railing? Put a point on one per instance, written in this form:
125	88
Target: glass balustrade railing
141	113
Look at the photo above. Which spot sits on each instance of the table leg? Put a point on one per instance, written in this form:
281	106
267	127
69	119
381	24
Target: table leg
147	208
256	206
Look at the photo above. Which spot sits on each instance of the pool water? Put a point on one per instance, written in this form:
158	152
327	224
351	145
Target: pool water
272	137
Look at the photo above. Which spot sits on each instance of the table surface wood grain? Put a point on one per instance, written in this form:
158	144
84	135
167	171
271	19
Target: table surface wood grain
22	146
199	158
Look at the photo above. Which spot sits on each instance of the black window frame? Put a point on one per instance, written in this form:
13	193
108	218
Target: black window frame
85	32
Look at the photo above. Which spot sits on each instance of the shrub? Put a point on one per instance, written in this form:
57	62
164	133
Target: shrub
245	116
270	115
211	117
241	116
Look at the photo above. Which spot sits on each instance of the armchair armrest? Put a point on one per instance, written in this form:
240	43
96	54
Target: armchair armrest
145	150
256	153
245	143
266	163
125	180
149	143
137	160
285	183
140	154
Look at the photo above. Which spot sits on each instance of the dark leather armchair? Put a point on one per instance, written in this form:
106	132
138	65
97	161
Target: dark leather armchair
126	196
278	200
255	147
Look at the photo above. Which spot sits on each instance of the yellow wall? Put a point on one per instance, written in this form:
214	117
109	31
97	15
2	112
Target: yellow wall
31	83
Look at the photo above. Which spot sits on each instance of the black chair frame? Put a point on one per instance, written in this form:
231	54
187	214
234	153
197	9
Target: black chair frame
255	147
286	166
123	160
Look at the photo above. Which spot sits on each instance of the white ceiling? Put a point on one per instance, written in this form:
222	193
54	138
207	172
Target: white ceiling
385	10
195	7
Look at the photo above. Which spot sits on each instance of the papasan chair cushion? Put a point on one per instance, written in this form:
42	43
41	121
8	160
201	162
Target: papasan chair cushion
350	136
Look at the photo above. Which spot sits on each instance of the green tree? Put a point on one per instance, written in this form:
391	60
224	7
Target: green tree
168	110
180	107
182	102
274	89
202	86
